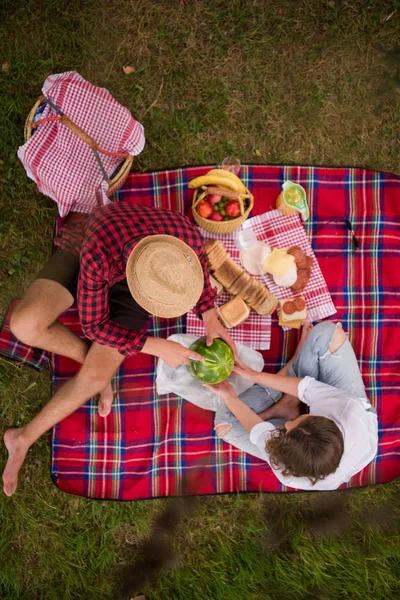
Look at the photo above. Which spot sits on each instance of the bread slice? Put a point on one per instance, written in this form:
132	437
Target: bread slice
228	273
216	254
234	312
216	284
239	284
248	292
265	303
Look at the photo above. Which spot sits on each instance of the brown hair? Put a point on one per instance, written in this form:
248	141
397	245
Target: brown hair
312	449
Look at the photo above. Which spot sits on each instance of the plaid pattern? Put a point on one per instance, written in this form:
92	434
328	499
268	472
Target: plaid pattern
15	350
154	446
62	165
112	233
277	231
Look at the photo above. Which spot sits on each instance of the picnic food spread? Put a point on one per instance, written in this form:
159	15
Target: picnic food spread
236	281
222	361
293	311
220	196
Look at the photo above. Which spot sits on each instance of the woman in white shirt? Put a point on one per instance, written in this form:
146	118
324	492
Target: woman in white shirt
315	451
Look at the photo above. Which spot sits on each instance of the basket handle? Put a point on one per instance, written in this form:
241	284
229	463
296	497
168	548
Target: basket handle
79	132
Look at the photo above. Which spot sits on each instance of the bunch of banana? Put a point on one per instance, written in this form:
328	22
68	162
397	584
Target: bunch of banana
223	182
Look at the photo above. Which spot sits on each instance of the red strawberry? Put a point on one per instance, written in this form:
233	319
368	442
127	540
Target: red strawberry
204	209
213	198
232	208
216	216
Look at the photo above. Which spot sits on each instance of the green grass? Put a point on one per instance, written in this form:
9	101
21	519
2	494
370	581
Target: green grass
282	82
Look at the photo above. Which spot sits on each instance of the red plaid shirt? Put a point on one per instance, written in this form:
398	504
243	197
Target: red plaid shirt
111	234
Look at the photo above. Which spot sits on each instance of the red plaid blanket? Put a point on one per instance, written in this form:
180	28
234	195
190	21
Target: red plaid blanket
153	446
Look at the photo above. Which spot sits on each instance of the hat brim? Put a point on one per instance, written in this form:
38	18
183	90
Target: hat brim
165	304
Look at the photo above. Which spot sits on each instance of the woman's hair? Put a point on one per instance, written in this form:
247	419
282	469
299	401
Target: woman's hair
312	449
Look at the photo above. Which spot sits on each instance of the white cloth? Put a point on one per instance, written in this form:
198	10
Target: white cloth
179	381
358	426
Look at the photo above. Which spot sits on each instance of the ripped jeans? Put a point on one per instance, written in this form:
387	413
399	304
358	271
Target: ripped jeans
339	370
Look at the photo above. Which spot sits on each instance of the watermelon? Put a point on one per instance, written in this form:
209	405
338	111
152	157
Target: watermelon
212	372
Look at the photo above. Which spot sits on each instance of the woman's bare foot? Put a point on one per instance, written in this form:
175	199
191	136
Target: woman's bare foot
17	450
288	407
305	332
105	401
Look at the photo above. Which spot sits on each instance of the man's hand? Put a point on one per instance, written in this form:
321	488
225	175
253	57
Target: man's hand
172	353
175	354
215	329
224	390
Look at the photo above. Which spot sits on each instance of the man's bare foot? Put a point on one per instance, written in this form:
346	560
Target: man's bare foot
105	401
16	455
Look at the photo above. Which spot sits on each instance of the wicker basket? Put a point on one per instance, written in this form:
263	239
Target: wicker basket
120	173
221	227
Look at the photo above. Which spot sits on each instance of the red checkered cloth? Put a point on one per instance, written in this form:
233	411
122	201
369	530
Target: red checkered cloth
277	231
152	446
63	165
255	332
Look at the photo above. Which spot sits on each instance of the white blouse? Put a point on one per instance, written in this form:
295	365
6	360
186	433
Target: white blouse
358	426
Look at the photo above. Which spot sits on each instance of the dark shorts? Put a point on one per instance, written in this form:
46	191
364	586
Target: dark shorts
63	267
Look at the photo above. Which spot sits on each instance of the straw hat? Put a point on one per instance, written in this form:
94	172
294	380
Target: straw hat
164	276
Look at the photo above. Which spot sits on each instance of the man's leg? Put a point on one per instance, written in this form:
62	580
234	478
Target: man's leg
34	320
97	371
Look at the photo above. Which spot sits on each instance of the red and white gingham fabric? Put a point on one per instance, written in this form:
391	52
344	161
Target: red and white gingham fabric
62	165
278	231
255	332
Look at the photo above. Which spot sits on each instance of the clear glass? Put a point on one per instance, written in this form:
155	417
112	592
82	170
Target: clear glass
232	164
245	238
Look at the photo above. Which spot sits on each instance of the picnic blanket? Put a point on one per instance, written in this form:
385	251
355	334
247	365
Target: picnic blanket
152	446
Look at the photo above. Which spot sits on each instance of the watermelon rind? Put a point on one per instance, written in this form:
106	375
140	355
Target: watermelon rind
209	372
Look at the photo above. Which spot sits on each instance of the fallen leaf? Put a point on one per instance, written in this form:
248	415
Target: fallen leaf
128	70
5	67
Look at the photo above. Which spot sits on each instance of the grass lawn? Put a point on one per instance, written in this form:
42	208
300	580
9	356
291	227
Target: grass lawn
308	82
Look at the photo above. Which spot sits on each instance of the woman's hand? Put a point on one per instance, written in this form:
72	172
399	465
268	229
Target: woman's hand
244	371
215	329
223	390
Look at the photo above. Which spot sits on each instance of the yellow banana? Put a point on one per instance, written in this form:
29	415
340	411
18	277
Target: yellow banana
229	175
215	180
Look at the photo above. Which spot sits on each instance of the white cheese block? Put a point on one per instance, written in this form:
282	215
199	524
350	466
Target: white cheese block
253	258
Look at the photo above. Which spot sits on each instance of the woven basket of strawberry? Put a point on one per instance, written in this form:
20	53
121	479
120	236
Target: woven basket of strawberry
221	202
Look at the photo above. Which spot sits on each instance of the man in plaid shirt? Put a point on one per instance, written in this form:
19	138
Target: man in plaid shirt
89	265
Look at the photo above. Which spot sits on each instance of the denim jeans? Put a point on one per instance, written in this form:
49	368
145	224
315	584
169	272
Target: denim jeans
338	369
